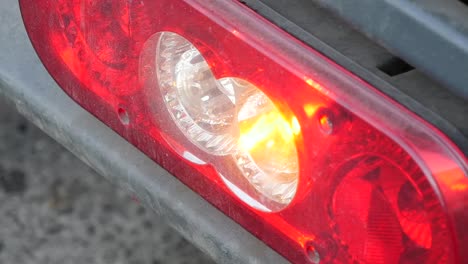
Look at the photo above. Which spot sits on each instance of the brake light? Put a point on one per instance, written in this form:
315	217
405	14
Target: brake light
306	156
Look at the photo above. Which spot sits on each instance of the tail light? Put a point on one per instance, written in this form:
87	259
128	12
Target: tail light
309	158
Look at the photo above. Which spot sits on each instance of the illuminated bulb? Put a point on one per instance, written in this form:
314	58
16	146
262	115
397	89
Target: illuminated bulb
229	116
267	155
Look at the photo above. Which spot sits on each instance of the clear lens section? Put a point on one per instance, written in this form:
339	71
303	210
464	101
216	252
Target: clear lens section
199	104
229	116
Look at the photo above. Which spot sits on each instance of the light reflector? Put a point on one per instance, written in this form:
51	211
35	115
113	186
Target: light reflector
228	116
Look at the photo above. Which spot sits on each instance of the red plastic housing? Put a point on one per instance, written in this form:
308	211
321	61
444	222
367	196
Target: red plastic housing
377	184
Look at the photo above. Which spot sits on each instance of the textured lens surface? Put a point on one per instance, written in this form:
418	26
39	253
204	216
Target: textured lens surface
267	155
382	218
199	104
229	116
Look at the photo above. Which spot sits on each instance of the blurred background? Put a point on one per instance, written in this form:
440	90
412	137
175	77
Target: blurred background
55	209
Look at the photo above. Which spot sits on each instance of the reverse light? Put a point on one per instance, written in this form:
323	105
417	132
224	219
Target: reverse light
309	158
203	107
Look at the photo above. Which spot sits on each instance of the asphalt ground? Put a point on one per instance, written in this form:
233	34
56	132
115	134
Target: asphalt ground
54	209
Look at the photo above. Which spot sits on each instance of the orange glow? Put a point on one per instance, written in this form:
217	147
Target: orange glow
269	140
313	83
459	187
325	124
454	179
310	109
270	128
296	127
68	56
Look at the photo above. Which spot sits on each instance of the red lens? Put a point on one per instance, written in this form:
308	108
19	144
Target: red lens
372	182
380	214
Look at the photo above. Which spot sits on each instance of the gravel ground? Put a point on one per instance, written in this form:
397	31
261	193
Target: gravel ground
55	209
